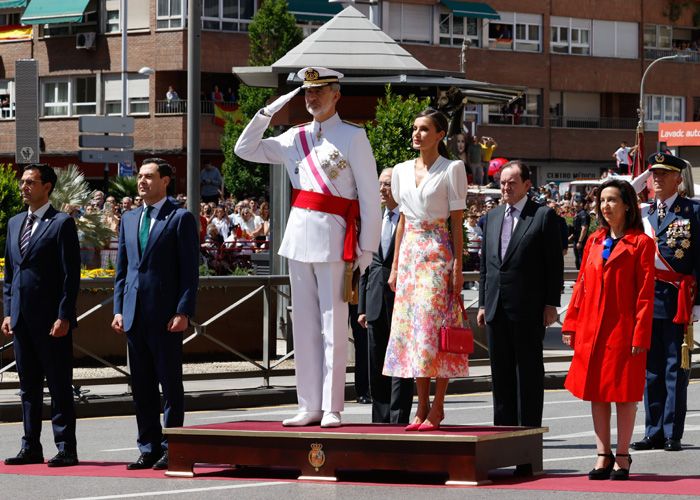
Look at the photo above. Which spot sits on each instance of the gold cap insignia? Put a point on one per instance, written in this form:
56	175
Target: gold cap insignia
311	75
659	158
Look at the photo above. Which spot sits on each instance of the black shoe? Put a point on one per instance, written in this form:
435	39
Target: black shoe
622	474
63	459
162	463
673	445
26	457
145	461
603	472
647	444
364	400
523	470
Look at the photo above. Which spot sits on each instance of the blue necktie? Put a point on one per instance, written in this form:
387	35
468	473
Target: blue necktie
386	233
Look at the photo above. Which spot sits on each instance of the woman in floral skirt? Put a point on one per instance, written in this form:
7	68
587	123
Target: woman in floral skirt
425	275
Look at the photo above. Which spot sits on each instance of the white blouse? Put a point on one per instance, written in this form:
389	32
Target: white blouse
443	189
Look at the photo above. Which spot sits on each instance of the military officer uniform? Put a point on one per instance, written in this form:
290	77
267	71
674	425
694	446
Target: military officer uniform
329	161
675	225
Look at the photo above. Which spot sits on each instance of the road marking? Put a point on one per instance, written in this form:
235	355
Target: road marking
613	432
177	492
588	457
119	449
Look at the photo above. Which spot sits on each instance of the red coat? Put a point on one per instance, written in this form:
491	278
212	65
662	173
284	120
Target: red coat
611	310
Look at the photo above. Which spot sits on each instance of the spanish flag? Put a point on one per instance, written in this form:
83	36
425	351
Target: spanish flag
226	113
15	32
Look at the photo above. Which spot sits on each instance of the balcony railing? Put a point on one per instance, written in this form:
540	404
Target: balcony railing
690	54
592	122
180	107
514	119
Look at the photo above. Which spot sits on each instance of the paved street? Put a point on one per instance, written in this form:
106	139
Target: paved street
569	449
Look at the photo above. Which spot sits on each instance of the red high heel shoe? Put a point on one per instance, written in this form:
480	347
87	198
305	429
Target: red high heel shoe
428	426
415	425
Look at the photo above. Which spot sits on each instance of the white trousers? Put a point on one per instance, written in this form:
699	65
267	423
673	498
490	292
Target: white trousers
320	325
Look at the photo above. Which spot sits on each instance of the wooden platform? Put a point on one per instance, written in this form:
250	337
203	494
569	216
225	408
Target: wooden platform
464	453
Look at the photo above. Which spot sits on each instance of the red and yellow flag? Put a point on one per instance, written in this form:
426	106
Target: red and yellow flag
15	32
226	113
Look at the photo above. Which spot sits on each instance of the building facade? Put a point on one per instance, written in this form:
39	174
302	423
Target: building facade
581	61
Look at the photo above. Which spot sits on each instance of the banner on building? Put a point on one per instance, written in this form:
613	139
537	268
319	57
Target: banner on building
680	133
226	113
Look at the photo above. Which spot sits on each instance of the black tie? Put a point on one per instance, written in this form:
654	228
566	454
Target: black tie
26	234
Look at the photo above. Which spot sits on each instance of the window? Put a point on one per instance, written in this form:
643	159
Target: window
88	24
55	98
657	36
515	31
84	96
615	39
7	101
454	30
570	36
523	111
227	15
138	93
112	21
659	108
170	14
410	23
11	19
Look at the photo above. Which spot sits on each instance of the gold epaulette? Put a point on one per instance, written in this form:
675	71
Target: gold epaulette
358	125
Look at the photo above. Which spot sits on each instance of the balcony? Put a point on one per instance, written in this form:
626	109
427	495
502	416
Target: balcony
164	107
515	119
690	55
593	122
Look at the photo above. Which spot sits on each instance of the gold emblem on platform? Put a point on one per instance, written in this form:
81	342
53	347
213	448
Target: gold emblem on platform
316	456
679	254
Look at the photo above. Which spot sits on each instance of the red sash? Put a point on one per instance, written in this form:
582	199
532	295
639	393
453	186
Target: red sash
336	205
686	293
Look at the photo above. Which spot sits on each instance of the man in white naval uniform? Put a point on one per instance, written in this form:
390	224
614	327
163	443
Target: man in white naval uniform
334	178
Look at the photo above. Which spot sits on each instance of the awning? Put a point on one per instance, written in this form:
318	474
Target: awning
12	4
52	12
470	9
313	10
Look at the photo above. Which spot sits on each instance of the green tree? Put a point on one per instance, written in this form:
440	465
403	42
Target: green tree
10	200
121	186
390	133
272	33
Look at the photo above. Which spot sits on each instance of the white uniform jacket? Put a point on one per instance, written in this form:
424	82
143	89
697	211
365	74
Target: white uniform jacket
342	160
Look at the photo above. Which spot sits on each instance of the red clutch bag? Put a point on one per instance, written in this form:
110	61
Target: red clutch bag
457	339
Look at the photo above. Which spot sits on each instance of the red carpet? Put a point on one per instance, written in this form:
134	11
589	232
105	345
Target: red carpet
640	483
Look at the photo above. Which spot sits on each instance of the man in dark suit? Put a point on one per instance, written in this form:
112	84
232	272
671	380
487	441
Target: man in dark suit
155	291
392	397
42	278
674	223
521	276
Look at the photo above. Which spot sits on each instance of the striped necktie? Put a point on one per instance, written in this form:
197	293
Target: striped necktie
26	234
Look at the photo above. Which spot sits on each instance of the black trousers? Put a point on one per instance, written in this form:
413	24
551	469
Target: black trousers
359	336
392	397
39	355
517	370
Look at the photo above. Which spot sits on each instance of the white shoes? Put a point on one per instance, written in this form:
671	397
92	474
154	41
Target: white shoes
331	419
303	418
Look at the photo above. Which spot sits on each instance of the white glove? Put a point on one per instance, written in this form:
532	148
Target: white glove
640	182
363	261
279	103
696	313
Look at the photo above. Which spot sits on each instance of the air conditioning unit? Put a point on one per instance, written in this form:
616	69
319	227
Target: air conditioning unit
85	40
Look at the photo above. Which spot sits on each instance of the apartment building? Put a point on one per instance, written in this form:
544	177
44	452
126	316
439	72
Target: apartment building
581	60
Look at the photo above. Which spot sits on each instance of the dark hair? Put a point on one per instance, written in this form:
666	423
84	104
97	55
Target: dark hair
164	168
522	168
633	216
47	174
441	125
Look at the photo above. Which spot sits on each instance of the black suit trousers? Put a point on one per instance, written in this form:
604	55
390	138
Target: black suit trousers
39	355
392	397
359	337
517	370
155	357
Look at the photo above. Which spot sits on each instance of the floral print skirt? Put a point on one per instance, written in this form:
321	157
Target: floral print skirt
423	302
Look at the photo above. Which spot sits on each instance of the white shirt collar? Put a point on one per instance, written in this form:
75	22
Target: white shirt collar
40	212
668	201
520	205
157	205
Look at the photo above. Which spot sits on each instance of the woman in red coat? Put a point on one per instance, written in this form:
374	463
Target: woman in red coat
609	323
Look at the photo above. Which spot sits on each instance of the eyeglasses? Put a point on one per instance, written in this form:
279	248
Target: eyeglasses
607	247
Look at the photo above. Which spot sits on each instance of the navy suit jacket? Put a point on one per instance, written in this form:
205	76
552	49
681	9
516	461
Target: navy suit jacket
683	215
375	294
43	285
530	275
163	280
